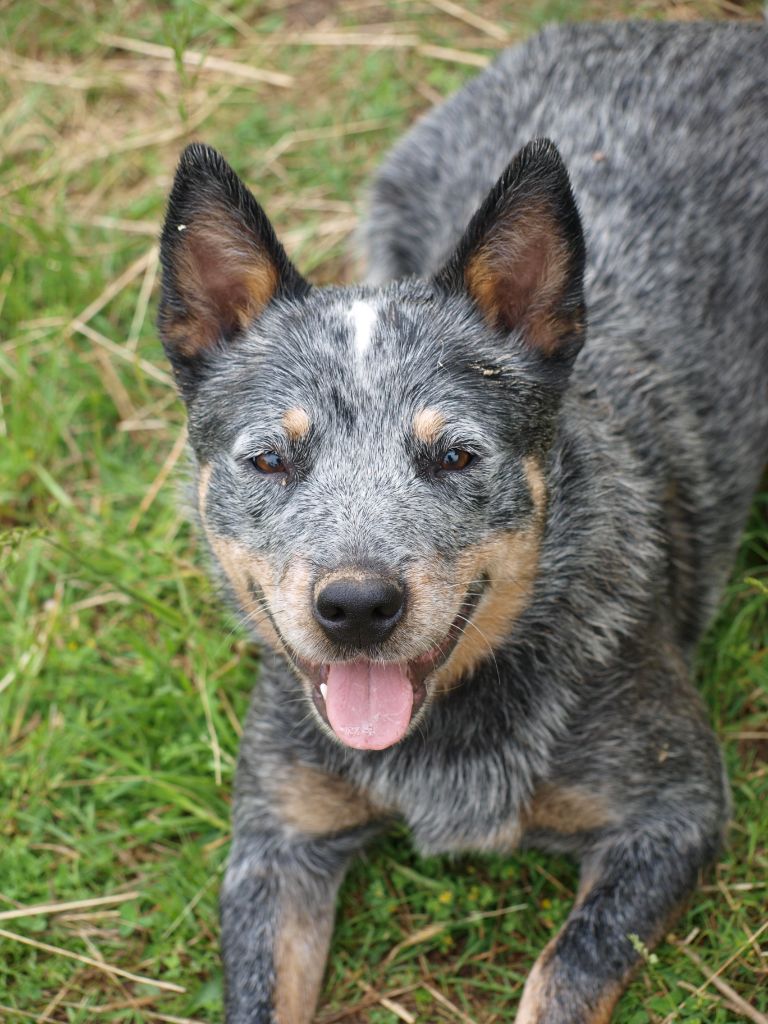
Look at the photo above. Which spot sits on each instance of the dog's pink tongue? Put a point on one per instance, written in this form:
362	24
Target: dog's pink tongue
369	706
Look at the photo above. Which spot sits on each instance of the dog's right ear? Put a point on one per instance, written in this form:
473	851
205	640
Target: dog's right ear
222	263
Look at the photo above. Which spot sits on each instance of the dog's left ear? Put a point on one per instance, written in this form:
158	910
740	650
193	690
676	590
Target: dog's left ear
222	263
522	257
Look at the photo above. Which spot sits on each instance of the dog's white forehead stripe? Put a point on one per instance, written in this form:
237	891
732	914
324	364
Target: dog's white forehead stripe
362	316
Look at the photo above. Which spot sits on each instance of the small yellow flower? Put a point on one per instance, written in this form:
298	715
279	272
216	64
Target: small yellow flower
546	904
446	896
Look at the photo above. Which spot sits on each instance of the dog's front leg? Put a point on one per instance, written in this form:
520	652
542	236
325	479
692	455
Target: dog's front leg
296	829
277	909
632	888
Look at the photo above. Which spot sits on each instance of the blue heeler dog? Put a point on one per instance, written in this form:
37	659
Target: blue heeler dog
481	508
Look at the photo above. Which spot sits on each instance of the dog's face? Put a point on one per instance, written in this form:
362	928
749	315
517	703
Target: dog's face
370	460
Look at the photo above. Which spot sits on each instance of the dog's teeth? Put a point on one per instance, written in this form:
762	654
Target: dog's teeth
324	689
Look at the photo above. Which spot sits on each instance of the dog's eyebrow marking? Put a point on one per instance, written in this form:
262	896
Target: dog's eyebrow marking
427	425
362	316
296	423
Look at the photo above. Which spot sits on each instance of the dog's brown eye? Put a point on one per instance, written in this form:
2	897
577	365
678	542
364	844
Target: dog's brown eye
456	458
268	462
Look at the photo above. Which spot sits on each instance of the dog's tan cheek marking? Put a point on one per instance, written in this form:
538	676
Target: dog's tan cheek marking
294	597
510	560
303	938
534	477
431	597
315	803
203	483
296	423
240	566
243	569
427	425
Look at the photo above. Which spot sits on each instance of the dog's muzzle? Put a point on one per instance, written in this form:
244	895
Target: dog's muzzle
370	705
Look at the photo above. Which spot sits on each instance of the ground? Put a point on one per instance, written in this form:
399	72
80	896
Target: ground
123	680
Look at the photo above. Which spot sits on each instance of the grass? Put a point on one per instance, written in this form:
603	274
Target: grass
122	680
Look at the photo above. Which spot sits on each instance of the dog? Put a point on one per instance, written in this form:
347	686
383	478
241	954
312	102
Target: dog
480	509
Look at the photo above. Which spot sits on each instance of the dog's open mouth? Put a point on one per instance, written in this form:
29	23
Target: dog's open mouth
370	705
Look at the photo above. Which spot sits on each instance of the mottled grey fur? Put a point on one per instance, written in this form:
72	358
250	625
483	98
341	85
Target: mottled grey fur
652	450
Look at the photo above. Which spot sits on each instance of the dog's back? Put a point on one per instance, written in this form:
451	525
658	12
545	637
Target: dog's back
664	128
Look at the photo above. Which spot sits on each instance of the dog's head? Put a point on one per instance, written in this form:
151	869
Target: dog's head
370	460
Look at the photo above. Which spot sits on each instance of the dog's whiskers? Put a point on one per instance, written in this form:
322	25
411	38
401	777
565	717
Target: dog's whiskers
486	641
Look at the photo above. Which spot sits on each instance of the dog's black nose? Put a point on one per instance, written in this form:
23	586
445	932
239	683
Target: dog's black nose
360	612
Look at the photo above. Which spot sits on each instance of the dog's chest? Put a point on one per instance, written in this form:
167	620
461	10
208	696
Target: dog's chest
465	802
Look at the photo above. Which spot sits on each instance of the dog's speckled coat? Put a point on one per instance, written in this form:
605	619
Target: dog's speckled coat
600	514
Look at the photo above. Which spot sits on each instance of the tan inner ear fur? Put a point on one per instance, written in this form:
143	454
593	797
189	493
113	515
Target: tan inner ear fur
519	275
225	283
510	559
